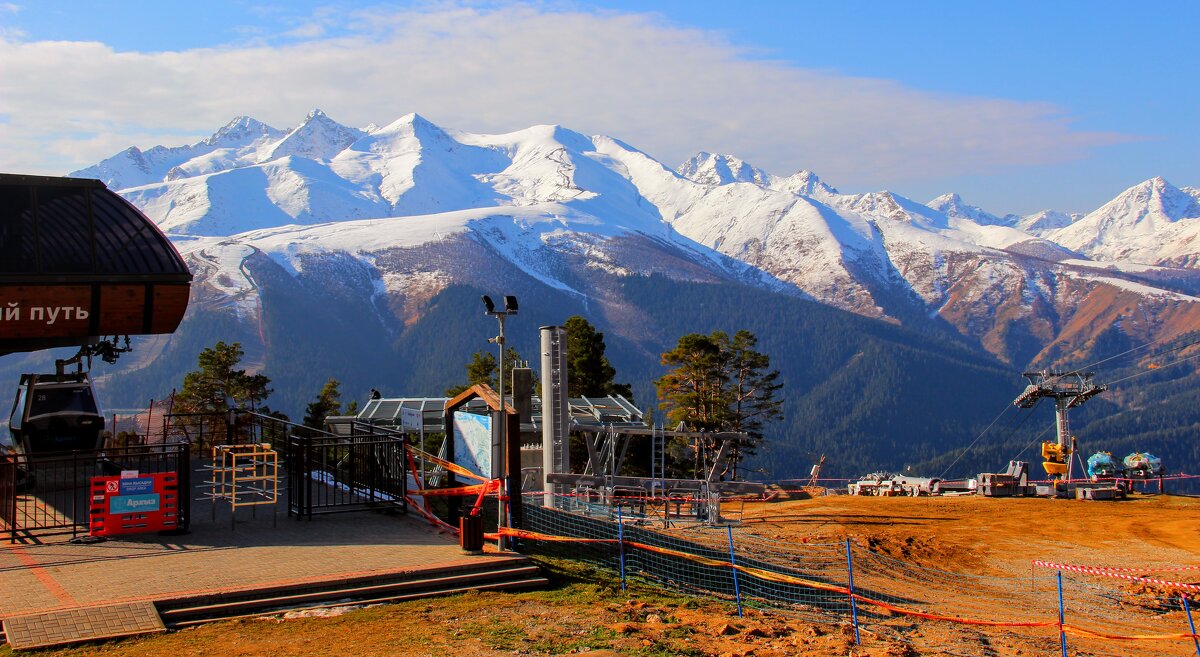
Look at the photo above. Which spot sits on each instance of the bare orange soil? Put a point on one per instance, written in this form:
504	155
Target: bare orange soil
586	612
995	536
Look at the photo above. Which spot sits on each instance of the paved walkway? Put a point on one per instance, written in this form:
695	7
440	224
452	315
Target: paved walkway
54	628
57	575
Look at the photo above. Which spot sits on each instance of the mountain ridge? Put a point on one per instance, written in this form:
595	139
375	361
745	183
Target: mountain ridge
412	211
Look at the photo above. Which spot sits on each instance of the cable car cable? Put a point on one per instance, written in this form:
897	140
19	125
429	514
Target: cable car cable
1144	373
981	434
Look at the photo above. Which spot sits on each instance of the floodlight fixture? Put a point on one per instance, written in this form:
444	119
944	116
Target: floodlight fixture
510	308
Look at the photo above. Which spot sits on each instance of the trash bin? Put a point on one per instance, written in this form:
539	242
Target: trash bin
470	533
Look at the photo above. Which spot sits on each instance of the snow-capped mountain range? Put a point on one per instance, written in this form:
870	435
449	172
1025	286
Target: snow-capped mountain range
568	209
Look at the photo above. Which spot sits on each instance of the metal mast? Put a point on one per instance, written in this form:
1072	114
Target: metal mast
556	414
1068	390
510	308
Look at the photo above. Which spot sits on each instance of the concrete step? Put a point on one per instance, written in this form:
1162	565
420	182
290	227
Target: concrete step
488	575
514	585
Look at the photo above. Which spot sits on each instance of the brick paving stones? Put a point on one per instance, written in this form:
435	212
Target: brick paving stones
54	578
55	628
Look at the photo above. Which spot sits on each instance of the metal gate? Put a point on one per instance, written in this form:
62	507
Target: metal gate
331	474
49	494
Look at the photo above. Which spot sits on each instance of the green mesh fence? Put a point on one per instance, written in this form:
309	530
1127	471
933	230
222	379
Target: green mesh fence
898	601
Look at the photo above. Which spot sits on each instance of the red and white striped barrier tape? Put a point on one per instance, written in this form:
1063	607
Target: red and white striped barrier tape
1114	569
1089	570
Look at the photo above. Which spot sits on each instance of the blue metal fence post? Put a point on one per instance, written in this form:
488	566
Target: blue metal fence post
621	544
1191	623
737	591
853	602
1062	634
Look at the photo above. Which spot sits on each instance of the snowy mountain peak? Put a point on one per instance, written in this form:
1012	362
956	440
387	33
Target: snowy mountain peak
415	120
409	125
242	131
318	137
128	168
1153	222
409	134
1154	202
1158	198
804	183
1046	220
954	206
716	169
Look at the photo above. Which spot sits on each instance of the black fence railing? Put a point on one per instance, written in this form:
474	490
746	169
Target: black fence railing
207	430
50	493
331	474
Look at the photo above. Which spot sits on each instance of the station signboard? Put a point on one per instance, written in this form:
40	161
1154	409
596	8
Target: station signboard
134	504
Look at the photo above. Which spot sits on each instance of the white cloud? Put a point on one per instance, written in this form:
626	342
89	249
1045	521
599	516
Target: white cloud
667	90
7	31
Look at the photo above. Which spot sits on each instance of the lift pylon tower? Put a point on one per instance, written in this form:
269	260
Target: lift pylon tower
1068	390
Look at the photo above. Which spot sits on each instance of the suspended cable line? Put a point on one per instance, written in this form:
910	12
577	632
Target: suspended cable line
1134	349
981	434
1033	442
1151	371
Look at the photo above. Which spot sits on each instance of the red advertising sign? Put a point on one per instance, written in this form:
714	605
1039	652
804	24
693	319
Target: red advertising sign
134	505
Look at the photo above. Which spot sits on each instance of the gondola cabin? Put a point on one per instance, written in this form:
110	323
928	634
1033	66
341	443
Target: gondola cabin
77	263
55	414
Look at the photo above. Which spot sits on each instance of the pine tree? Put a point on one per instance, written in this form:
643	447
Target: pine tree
589	373
328	402
718	383
217	386
482	369
752	389
693	391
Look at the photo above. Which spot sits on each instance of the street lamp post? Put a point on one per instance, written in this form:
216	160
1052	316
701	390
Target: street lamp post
510	308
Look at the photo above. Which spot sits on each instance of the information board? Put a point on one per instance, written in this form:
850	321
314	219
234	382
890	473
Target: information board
134	504
475	444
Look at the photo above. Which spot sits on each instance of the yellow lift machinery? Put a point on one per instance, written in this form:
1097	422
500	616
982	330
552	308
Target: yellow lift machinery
1068	390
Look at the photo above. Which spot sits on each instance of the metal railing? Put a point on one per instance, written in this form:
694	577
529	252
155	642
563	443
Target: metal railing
329	474
50	493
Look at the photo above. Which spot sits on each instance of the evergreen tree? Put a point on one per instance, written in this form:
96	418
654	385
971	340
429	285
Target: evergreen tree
694	390
717	383
328	402
589	373
482	369
752	388
217	386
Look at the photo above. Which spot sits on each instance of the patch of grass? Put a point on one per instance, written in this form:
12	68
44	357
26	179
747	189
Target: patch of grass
681	632
579	582
498	635
597	638
668	650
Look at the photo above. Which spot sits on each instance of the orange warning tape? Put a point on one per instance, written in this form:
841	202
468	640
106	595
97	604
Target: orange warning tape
446	492
833	588
522	533
1090	634
449	465
437	522
953	619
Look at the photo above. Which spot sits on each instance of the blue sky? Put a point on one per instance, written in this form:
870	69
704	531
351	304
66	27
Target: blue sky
1018	106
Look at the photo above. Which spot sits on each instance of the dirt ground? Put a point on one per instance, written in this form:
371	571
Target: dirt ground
587	612
994	536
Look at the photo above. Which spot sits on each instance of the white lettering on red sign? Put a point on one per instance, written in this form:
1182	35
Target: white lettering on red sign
47	314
